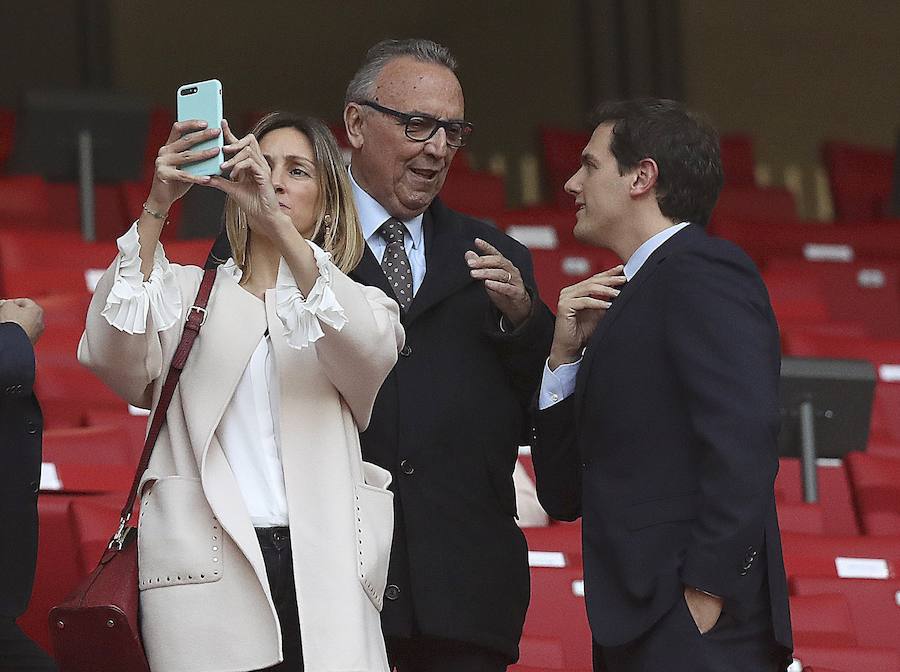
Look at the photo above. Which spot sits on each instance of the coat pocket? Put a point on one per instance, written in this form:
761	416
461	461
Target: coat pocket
179	538
374	531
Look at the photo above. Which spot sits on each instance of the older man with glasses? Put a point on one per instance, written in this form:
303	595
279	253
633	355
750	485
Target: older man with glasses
450	416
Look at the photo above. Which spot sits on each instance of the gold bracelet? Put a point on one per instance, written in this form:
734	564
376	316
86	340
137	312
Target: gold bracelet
154	214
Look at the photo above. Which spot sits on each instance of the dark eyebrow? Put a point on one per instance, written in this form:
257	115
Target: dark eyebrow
291	158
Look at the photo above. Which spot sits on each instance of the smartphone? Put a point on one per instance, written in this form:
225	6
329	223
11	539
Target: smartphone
203	100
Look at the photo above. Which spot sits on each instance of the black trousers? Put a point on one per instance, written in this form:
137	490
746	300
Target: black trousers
20	654
674	644
429	654
275	543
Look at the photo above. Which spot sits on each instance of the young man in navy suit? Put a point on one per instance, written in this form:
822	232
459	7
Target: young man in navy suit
658	412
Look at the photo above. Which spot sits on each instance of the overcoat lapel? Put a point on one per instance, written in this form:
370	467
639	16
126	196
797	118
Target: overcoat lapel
370	273
235	322
631	288
445	263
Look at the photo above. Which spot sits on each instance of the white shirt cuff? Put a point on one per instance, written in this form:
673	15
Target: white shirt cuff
131	298
557	385
302	316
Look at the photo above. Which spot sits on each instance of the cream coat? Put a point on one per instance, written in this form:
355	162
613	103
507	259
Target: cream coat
205	601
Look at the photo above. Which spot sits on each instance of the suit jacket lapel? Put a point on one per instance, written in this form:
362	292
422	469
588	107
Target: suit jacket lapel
630	289
369	272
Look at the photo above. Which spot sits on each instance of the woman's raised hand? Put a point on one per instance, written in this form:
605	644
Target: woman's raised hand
250	184
170	182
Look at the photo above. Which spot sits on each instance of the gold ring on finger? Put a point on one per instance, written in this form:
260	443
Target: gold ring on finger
508	277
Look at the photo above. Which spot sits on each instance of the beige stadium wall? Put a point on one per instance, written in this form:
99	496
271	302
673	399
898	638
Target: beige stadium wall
793	74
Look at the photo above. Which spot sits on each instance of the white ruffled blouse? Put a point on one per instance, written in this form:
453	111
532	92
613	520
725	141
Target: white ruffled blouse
248	431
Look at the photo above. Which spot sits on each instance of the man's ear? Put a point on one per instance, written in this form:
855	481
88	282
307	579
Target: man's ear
645	177
353	122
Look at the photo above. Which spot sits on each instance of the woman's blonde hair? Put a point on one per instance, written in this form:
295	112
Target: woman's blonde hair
337	227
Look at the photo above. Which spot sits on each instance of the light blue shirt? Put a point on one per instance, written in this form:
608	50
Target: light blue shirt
372	215
560	384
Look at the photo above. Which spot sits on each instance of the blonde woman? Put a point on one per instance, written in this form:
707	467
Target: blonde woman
260	524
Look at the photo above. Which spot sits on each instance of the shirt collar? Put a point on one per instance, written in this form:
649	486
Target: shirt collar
372	215
648	247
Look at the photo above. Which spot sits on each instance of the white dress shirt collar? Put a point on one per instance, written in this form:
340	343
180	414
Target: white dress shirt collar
648	247
372	215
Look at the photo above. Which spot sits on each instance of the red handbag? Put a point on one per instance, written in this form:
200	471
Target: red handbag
97	629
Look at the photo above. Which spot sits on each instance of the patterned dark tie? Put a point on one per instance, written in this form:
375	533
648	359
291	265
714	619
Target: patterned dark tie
395	263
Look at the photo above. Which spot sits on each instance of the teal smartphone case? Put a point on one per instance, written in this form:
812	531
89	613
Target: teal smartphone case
203	100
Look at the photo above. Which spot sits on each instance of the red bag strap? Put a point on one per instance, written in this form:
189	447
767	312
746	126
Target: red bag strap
196	317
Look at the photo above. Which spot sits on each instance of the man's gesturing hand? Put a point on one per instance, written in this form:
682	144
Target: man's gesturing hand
26	313
502	281
580	309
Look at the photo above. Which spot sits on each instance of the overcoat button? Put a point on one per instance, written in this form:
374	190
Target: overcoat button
392	592
35	486
407	468
406	351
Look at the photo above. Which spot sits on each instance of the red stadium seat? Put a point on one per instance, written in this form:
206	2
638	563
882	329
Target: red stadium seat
848	658
58	569
557	615
873	604
561	151
747	203
24	202
110	218
821	555
88	446
556	269
863	292
94	520
822	620
876	486
564	538
860	180
764	241
833	514
478	193
562	221
737	159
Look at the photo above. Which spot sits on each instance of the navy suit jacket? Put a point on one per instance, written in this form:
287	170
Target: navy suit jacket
667	449
20	469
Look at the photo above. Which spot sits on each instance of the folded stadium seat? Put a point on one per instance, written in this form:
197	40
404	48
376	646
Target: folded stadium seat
876	487
559	220
24	202
822	620
747	203
865	292
94	521
736	150
7	129
132	196
555	544
73	382
110	219
130	422
848	658
62	413
884	355
98	446
874	606
161	120
832	556
58	570
557	269
834	513
860	180
478	193
814	242
561	152
557	613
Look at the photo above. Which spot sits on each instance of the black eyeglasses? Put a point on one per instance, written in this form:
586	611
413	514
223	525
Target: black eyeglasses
421	127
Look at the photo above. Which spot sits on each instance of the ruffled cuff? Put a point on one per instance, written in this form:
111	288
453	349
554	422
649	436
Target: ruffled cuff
131	298
303	317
